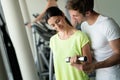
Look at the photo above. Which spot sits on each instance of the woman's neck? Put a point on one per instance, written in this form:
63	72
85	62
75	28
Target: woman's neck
66	33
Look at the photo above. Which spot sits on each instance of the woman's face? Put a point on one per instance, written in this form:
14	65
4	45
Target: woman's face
57	22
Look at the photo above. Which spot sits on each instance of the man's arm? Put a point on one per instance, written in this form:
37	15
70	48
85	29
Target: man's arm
114	59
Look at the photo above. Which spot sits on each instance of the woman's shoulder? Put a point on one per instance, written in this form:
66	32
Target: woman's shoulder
54	36
80	34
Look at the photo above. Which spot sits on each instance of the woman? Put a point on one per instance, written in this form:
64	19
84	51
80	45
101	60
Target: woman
67	42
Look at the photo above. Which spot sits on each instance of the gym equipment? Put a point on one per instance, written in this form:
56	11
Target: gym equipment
81	59
44	58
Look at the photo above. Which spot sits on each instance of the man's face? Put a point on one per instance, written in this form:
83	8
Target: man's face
75	16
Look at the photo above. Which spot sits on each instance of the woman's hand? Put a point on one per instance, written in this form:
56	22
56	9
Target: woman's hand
84	66
76	63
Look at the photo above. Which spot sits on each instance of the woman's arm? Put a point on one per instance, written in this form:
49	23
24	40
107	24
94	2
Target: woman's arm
85	52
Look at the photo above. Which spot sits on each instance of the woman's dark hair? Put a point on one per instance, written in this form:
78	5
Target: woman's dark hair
81	5
54	11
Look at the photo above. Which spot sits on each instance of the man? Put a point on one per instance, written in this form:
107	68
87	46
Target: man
104	34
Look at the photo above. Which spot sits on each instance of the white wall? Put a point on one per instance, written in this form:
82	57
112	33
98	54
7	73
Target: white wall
106	7
109	8
37	6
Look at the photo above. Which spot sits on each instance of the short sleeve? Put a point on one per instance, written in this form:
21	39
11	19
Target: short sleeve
84	39
112	30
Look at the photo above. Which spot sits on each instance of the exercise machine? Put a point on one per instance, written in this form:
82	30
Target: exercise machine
44	59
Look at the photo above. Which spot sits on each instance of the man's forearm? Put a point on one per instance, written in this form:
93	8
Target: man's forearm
113	60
